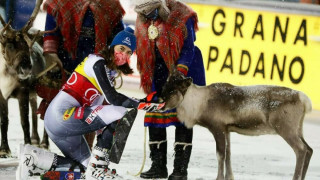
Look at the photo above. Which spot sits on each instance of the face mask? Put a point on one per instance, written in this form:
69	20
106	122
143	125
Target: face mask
153	15
120	58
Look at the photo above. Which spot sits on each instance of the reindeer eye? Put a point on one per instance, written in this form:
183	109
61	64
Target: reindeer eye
10	46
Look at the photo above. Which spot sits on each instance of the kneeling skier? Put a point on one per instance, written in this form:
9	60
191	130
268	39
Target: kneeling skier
79	108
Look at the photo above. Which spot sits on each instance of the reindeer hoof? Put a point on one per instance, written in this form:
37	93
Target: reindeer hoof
229	177
35	142
5	153
44	145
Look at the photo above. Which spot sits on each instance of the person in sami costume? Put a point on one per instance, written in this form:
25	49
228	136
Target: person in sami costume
165	31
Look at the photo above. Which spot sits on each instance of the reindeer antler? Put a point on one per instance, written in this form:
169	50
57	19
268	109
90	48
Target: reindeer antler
36	35
11	32
28	25
2	21
33	16
5	25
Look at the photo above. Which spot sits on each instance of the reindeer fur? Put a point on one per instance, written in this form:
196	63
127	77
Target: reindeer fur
247	110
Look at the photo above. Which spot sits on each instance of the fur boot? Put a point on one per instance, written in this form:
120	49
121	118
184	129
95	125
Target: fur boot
181	161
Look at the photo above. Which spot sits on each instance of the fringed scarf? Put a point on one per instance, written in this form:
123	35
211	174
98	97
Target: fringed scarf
172	33
70	13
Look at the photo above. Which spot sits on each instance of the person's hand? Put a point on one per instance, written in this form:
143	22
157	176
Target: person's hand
151	107
151	103
53	63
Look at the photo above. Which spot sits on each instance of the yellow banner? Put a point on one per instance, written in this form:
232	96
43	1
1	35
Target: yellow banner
248	47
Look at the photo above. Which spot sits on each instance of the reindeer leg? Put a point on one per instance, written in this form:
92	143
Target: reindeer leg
4	148
307	158
289	127
90	139
220	138
229	174
45	140
302	150
23	99
35	140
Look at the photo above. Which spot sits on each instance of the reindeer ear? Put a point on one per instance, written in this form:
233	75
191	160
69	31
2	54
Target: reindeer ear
184	84
189	80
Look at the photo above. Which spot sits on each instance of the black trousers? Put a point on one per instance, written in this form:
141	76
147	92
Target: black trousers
182	134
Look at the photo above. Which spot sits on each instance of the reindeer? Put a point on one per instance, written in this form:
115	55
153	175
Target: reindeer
18	77
247	110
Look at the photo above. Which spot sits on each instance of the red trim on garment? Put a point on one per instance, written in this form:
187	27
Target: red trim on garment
79	112
50	44
182	70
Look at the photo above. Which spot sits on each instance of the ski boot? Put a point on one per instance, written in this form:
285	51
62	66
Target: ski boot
33	162
98	165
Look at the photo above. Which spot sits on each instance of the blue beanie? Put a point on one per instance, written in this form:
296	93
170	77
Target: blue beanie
125	37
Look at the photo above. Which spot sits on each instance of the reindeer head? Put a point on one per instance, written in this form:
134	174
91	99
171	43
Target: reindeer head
174	89
16	46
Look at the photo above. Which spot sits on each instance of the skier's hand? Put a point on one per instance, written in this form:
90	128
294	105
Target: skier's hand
151	103
151	107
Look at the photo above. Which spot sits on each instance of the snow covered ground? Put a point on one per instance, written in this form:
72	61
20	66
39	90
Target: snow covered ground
266	157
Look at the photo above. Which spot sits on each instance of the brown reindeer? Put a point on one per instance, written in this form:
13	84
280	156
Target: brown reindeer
17	78
247	110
